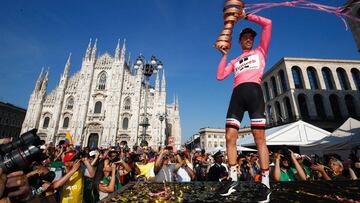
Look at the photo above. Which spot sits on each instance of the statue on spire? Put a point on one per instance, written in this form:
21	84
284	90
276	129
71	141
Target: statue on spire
88	51
93	53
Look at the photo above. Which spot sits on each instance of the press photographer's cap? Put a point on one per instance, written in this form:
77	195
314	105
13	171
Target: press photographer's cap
69	155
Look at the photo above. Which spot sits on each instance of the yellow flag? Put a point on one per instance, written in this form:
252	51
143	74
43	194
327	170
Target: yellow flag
68	138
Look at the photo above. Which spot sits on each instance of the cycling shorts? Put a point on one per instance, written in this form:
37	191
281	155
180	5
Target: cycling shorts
246	97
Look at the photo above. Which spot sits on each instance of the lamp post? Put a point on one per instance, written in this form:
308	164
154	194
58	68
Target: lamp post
148	68
161	117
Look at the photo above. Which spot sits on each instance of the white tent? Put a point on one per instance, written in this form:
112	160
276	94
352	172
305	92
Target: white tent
298	133
223	149
341	141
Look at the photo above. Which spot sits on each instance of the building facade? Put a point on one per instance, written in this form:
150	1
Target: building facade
103	104
11	119
209	138
323	92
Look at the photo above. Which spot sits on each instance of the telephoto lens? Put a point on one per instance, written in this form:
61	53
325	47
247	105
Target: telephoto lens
19	159
26	139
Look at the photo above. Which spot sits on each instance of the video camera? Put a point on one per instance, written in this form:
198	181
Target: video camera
21	152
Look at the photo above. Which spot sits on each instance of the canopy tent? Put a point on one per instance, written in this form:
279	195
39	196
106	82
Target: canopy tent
341	141
298	133
223	149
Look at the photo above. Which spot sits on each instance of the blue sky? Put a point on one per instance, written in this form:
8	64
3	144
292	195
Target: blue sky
179	32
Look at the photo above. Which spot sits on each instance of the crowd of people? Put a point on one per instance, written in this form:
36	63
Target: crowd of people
71	174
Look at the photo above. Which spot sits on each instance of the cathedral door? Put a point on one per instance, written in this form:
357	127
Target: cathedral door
93	140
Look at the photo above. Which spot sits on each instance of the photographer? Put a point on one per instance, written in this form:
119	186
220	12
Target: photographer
185	173
200	165
109	183
283	170
41	179
164	170
143	168
333	172
71	184
245	170
16	184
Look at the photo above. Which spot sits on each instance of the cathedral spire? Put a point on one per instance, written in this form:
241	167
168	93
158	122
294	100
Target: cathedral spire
67	67
39	81
123	51
129	59
163	82
117	51
88	50
177	103
93	53
45	81
157	82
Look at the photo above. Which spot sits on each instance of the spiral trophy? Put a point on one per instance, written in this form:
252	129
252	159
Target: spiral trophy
233	10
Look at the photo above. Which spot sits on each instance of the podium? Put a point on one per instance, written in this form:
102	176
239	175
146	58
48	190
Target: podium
300	191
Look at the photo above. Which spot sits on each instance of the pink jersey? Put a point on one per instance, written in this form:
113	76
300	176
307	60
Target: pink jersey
249	66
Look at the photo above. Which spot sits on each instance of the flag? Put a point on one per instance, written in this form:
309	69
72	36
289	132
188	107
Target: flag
68	138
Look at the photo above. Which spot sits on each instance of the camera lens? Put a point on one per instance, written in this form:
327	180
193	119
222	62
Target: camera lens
19	159
26	139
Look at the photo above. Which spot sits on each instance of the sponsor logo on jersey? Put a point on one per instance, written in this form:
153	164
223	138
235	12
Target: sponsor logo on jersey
247	63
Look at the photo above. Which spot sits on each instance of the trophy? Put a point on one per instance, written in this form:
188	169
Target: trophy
233	11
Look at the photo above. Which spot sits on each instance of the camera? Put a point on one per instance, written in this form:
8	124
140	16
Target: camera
19	154
315	159
286	153
113	158
182	155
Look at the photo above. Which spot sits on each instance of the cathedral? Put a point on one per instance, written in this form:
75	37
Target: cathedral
103	104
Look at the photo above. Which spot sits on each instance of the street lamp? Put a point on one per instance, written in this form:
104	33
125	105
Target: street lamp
161	117
148	68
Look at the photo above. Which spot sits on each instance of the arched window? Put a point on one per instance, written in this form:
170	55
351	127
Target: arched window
70	103
46	122
127	104
278	111
343	79
98	106
102	81
125	123
328	78
297	76
350	105
270	114
273	83
266	86
313	79
284	86
290	115
334	102
66	122
319	105
356	77
303	106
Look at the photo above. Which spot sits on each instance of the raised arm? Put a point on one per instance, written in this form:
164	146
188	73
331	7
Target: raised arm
223	70
266	24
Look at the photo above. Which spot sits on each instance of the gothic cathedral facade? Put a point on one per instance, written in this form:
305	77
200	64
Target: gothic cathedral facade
103	104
